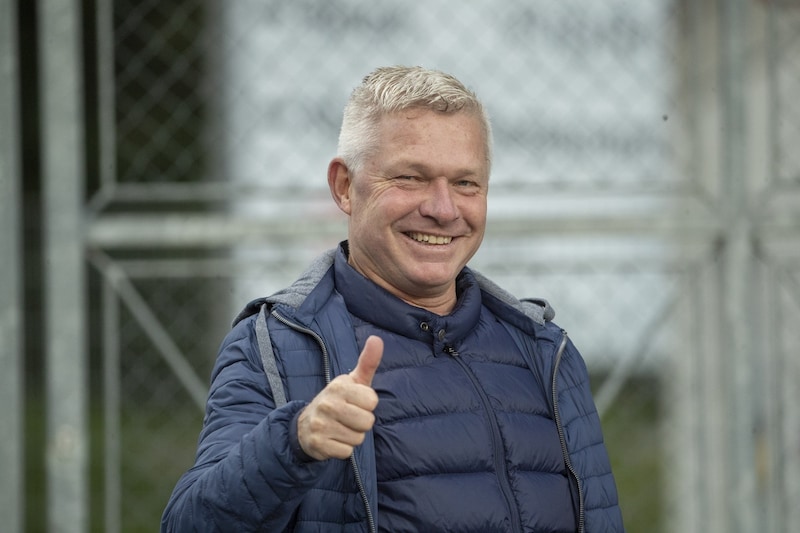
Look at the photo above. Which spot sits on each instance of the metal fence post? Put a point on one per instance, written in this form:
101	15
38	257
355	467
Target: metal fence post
11	390
64	268
737	270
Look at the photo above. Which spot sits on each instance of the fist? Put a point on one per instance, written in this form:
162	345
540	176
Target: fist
338	418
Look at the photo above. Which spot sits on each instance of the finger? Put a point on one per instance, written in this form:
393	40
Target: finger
358	419
368	361
355	413
322	436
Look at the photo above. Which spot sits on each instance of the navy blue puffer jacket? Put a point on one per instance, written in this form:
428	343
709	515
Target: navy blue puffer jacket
250	476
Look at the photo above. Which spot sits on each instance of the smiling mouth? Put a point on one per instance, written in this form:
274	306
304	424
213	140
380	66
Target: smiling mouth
430	239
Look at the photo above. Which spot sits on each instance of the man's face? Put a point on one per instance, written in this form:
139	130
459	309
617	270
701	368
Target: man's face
417	206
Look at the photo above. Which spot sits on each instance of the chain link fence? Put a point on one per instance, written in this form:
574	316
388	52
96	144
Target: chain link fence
249	94
225	114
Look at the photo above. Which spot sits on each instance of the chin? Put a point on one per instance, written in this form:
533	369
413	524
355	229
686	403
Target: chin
432	281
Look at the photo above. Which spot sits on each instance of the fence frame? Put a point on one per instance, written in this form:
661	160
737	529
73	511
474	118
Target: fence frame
66	352
11	346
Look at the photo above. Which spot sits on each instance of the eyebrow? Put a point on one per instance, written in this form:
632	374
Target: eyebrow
425	169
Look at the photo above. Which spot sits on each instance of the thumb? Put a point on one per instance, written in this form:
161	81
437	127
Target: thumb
368	361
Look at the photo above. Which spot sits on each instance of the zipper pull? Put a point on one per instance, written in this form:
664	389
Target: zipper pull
449	350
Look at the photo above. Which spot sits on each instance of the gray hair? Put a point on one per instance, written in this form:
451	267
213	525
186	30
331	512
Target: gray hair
392	89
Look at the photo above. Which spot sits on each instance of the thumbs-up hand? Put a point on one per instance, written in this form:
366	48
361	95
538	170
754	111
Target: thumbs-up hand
339	416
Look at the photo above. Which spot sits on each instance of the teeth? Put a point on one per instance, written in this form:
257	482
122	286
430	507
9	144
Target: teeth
430	239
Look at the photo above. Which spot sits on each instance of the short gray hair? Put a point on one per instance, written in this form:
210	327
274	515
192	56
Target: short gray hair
392	89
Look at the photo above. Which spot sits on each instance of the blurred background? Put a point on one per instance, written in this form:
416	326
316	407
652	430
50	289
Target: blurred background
162	163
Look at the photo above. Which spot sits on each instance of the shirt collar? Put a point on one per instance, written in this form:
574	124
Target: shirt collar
374	304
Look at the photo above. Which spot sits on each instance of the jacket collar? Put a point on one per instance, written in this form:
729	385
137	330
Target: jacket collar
372	303
299	294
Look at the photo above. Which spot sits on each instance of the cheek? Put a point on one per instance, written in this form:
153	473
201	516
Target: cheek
474	212
369	217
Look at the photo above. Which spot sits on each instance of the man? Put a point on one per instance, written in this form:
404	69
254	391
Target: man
391	388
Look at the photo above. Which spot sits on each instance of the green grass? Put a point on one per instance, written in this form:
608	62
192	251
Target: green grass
631	429
156	448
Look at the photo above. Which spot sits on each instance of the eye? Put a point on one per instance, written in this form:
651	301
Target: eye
407	180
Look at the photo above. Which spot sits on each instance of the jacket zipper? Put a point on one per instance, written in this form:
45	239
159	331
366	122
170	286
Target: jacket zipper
561	437
499	463
326	364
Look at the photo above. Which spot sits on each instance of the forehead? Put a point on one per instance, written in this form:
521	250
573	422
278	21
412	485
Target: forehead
425	132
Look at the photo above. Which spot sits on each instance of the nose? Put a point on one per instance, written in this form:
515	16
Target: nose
439	202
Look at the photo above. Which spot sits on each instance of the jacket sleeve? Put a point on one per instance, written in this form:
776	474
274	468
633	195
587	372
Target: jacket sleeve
586	446
245	476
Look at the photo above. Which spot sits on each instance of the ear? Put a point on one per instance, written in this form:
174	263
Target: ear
339	180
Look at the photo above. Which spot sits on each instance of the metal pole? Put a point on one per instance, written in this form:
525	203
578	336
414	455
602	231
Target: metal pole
111	409
64	283
112	426
11	415
736	274
105	95
699	416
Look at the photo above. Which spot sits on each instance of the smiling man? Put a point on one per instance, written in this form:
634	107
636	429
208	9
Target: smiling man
417	205
392	388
